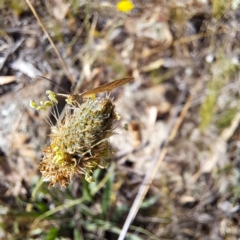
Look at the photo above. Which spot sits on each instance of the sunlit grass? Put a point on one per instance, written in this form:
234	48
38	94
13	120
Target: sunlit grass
222	72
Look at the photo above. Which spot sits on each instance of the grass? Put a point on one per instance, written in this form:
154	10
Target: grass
223	70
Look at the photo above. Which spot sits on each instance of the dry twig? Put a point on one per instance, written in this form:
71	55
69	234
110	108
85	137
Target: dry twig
156	163
51	42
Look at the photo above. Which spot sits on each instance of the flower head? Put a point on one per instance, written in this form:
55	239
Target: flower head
125	6
79	144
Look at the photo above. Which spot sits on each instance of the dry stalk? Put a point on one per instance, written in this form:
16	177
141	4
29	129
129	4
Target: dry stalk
51	42
156	163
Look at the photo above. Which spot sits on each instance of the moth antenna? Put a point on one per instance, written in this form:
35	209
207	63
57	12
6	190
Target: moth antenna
65	90
73	86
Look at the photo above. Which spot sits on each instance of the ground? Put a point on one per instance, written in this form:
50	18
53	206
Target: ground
175	151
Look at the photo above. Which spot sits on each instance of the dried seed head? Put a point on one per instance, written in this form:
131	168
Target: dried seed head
79	144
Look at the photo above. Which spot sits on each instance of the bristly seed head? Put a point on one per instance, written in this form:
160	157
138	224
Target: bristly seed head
79	144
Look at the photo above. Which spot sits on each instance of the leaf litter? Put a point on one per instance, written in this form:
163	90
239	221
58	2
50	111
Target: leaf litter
166	49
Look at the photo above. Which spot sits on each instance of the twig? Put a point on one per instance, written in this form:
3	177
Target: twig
51	42
156	164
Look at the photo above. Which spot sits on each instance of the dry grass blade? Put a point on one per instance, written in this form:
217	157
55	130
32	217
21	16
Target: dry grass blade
155	166
51	42
7	79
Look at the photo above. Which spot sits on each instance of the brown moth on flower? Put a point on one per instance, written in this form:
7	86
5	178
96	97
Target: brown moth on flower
80	143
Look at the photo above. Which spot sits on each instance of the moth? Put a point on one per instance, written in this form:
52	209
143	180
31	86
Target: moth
107	87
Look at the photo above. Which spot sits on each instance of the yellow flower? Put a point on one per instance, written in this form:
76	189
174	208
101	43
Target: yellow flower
125	6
